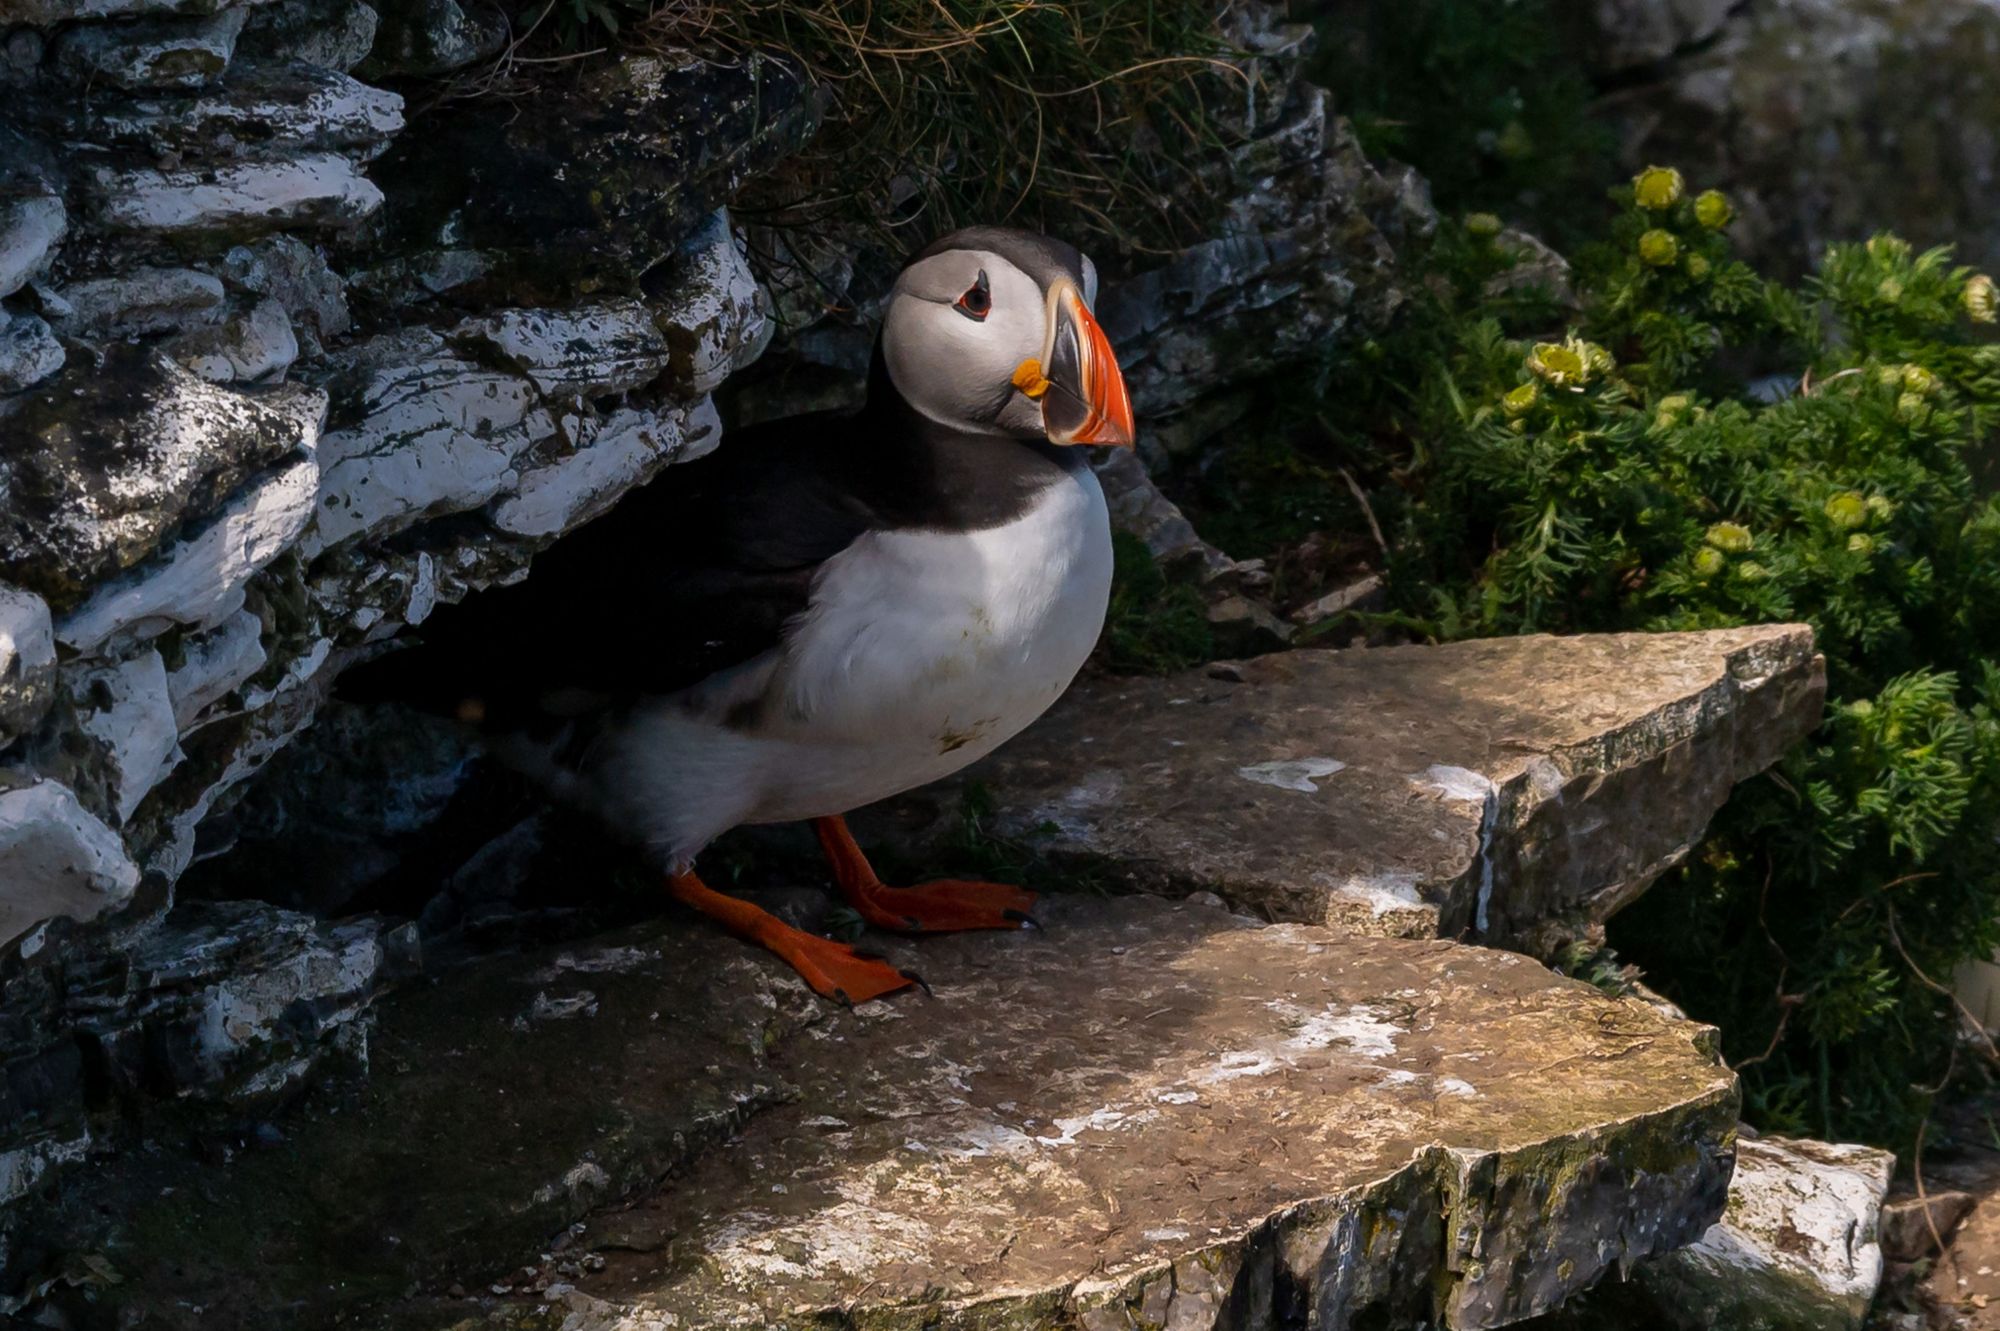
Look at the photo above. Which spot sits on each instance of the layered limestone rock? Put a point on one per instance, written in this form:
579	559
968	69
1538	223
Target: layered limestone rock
1797	1249
1519	790
1147	1114
240	445
1798	1244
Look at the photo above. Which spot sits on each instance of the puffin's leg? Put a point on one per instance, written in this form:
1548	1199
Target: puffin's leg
936	907
834	970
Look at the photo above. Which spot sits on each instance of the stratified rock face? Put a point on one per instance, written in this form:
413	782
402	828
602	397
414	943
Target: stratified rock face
1149	1114
30	229
150	54
93	479
1827	120
59	858
1517	788
1644	32
1796	1249
241	444
27	661
569	194
236	994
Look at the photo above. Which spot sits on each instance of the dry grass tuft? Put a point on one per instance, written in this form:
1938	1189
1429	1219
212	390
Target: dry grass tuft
1084	118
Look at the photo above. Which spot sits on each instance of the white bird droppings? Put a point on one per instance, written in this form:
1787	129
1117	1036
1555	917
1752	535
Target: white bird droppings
1295	774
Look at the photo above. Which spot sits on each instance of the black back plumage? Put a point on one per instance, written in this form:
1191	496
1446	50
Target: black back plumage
705	567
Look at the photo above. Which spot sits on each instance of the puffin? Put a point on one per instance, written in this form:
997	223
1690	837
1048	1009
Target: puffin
824	611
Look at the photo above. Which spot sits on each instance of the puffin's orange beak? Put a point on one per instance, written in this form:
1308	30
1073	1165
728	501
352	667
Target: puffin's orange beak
1083	394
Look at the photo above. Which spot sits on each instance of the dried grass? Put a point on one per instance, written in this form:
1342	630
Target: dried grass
1085	118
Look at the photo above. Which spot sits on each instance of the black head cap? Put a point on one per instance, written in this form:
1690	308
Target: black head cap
1041	257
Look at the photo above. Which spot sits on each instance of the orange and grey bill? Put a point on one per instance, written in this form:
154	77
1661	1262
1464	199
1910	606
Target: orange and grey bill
1084	400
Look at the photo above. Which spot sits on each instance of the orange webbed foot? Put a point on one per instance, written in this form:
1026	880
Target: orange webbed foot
945	906
834	970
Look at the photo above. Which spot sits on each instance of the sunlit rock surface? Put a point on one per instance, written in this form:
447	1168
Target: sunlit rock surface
1517	790
1149	1113
1797	1249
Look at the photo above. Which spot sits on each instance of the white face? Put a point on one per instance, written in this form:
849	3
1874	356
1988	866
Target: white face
952	340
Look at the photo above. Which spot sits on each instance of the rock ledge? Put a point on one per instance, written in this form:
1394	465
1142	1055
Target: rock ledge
1519	790
1147	1114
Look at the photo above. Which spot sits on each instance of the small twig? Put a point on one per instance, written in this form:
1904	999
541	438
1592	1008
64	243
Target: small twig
1367	510
1917	1166
1974	1024
1859	902
1786	1005
559	59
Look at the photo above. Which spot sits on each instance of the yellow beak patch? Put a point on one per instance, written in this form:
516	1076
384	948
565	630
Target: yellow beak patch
1028	377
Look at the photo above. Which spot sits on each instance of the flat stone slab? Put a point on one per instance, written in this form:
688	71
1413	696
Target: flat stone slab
1516	790
1149	1113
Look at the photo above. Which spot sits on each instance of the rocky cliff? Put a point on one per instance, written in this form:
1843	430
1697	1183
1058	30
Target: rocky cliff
316	313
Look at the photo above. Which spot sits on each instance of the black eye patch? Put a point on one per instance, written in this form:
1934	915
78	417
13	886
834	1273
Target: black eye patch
977	302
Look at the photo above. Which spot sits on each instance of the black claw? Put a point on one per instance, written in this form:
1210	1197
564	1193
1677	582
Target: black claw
913	924
840	997
1025	920
918	981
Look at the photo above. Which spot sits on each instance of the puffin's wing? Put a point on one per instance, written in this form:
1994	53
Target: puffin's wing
696	572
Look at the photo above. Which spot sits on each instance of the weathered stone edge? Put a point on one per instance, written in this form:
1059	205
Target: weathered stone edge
1469	1236
1752	693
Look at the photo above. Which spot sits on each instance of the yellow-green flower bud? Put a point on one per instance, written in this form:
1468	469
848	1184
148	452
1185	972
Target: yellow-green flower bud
1515	143
1911	406
1982	301
1659	248
1861	543
1561	364
1597	359
1675	402
1881	507
1732	538
1889	289
1713	210
1861	707
1847	509
1657	188
1482	224
1520	401
1752	571
1697	267
1708	562
1919	380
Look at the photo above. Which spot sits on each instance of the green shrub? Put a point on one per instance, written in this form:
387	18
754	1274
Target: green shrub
1490	101
1643	470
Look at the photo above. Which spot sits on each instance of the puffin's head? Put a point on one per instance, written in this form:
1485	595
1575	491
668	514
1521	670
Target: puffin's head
990	330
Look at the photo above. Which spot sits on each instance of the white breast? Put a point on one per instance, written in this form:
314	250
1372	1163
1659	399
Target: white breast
927	650
922	652
952	626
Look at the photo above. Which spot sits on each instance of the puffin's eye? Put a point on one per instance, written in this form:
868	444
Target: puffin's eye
977	301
